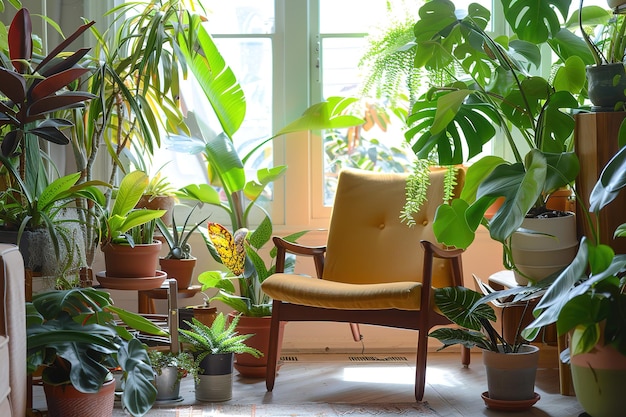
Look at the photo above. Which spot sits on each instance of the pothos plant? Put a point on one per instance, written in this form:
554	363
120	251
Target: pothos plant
239	252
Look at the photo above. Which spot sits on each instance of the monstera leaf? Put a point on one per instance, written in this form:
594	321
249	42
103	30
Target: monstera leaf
536	21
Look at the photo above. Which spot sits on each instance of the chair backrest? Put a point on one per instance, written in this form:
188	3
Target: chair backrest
367	241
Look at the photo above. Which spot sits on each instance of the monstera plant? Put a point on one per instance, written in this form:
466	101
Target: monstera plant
494	91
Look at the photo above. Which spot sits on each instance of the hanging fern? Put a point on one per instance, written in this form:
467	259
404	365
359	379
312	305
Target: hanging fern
417	184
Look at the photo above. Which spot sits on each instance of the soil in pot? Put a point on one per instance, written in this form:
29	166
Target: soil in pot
67	401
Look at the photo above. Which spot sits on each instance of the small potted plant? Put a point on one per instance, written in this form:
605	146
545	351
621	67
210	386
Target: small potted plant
511	364
118	227
75	337
214	348
179	263
169	369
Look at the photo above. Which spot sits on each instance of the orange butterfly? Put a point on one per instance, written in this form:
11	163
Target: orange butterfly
230	248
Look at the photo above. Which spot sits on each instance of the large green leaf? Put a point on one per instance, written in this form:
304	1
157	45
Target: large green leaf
130	191
536	20
521	185
329	114
224	160
216	78
612	180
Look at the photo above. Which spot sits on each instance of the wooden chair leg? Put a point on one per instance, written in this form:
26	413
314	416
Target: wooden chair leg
465	356
420	365
356	332
272	353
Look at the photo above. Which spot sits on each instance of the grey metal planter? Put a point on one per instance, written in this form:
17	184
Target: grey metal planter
215	378
167	384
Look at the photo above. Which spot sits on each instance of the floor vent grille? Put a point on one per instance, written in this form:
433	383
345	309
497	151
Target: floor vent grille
289	358
377	359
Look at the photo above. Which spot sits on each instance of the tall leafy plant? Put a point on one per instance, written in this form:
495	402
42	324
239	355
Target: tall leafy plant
495	90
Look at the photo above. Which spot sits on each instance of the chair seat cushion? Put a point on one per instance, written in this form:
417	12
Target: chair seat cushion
299	289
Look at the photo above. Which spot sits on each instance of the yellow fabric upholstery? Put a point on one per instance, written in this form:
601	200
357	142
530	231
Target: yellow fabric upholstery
309	291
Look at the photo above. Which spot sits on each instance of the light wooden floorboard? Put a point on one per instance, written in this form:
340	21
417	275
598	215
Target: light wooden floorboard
452	390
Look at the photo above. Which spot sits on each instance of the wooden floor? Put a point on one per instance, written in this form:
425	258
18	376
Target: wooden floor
451	390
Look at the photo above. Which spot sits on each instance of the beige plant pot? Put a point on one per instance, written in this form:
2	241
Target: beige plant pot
550	247
615	3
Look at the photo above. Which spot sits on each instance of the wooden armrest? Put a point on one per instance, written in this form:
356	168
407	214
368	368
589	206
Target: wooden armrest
283	247
297	248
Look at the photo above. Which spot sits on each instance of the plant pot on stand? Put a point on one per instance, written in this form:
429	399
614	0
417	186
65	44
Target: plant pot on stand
131	268
179	269
548	246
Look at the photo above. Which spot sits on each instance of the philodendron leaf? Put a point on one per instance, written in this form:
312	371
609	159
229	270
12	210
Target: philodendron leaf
536	21
459	305
467	338
521	186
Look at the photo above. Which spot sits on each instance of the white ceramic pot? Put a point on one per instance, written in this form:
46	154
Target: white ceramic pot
615	3
545	246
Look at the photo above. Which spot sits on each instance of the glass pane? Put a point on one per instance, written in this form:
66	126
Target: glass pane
251	61
241	16
350	16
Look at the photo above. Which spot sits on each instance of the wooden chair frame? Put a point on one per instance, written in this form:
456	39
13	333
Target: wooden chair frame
421	320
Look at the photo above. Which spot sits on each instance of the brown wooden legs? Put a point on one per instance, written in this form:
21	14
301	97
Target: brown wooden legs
272	353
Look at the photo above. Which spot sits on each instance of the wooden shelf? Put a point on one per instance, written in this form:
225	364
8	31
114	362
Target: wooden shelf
595	141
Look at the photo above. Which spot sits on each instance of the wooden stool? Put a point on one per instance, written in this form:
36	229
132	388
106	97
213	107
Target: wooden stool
146	298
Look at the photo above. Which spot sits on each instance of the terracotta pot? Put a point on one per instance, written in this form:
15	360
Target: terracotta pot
511	376
158	203
597	377
179	269
122	261
246	364
67	401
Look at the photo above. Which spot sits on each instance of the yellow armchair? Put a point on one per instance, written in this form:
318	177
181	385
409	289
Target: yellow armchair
374	269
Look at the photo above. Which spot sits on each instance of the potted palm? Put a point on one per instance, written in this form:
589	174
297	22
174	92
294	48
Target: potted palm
75	336
121	226
179	263
214	347
511	365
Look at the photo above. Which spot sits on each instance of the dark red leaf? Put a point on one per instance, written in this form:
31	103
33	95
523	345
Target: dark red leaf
56	82
20	40
12	85
57	65
66	42
57	102
10	142
51	134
